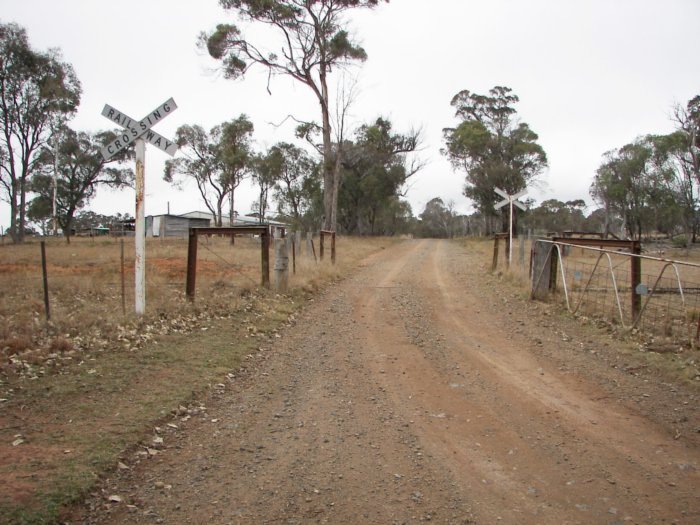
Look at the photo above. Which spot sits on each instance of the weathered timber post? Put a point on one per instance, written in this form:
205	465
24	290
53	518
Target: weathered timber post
321	241
294	253
636	278
494	262
553	268
191	265
281	265
333	248
540	272
45	280
497	237
265	256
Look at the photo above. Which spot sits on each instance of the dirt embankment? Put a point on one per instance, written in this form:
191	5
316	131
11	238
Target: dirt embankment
421	389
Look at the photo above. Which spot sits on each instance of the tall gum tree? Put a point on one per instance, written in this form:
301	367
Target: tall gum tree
493	147
312	41
35	87
214	160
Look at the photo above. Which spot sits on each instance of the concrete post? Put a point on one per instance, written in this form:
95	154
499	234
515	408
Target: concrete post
281	265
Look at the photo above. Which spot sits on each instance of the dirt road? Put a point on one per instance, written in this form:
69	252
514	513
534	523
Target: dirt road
422	390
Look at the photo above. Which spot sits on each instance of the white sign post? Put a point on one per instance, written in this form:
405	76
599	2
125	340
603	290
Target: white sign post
510	200
140	132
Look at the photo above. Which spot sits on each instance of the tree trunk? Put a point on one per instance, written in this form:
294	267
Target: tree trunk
330	216
22	209
219	212
231	213
13	213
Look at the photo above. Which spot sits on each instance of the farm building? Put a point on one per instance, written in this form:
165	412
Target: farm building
240	220
172	225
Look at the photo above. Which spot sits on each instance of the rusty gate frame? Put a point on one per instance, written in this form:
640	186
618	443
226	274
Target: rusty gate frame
263	230
638	308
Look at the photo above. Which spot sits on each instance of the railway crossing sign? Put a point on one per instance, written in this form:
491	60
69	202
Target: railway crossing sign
139	132
135	129
511	200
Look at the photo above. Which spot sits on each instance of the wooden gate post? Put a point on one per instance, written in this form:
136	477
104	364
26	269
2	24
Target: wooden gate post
333	248
191	265
320	245
45	279
265	255
554	268
494	263
636	278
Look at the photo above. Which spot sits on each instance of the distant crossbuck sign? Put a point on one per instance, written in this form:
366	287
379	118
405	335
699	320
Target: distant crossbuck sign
135	129
510	199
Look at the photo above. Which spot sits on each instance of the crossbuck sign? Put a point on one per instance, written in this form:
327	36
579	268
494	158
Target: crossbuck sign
140	132
510	200
135	129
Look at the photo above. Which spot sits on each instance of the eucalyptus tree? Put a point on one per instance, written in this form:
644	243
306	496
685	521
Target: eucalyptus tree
267	171
80	170
291	187
234	151
312	40
674	168
35	87
628	184
377	166
492	146
216	161
438	219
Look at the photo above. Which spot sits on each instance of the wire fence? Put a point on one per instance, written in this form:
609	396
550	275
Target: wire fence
89	281
653	294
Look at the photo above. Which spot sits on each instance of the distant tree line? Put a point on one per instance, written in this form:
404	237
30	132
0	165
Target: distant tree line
47	170
339	176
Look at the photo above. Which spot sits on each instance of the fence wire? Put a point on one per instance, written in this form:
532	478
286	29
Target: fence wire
598	283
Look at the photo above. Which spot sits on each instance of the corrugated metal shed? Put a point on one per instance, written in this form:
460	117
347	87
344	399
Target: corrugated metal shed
172	225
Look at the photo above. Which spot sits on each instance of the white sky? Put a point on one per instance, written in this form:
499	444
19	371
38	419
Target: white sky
591	75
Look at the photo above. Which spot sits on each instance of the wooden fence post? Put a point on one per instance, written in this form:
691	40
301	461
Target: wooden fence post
191	265
265	255
281	265
494	263
636	278
46	281
554	268
333	248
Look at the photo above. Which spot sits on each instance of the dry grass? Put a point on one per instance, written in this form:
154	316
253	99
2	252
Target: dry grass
85	389
85	289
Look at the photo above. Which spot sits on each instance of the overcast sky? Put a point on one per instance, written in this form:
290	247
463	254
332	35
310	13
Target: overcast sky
591	75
